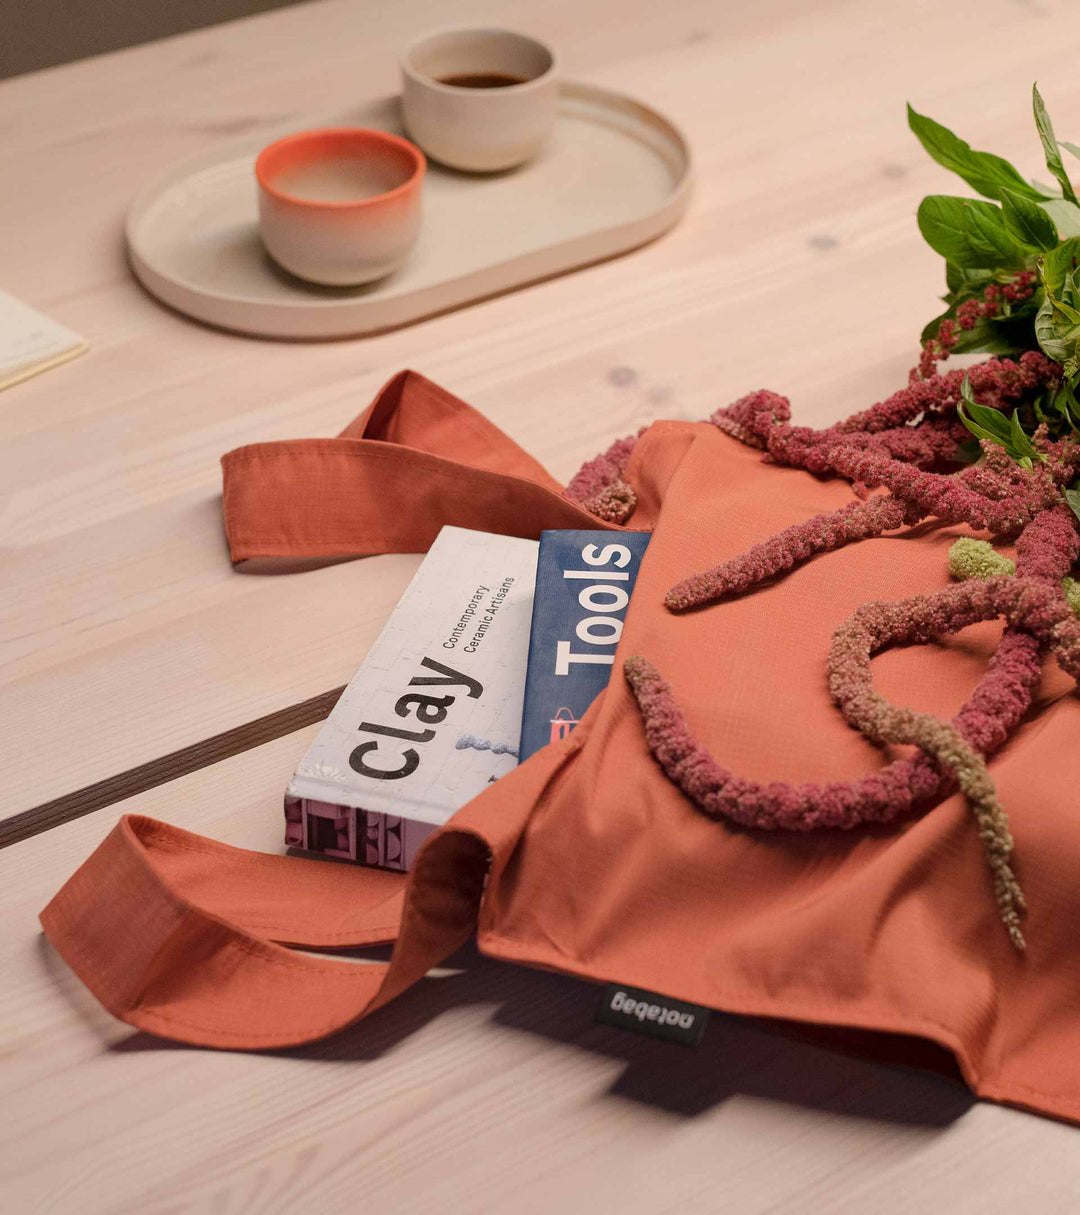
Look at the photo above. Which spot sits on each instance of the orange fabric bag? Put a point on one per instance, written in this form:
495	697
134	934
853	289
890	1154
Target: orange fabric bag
586	859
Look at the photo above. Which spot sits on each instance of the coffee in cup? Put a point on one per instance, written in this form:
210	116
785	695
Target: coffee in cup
480	100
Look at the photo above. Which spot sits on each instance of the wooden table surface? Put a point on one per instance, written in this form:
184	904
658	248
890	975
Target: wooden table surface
130	651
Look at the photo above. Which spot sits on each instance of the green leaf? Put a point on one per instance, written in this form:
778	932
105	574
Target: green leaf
1070	406
988	423
1050	145
1067	313
930	329
1057	323
942	224
1049	343
1057	400
1072	496
1020	441
1069	147
1058	263
1066	216
987	231
984	172
1069	304
1058	339
963	281
985	337
978	431
1027	222
981	420
969	233
989	337
991	424
989	341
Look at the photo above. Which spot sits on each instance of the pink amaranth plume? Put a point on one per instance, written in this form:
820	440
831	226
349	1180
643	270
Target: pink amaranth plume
895	446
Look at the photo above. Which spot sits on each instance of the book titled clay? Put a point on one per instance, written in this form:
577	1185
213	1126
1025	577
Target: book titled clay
432	716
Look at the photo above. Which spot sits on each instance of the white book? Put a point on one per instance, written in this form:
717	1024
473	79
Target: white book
433	715
31	342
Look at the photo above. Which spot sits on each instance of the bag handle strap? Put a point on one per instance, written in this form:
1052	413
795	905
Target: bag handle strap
417	458
184	937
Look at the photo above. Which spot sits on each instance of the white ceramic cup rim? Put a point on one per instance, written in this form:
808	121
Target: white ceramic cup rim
459	90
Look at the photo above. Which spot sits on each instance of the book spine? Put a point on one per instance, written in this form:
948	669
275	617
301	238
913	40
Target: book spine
584	580
366	837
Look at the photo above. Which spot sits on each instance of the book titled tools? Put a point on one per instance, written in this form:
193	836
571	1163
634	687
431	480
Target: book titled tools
497	647
583	585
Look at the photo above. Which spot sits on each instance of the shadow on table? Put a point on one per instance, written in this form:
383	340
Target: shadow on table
837	1071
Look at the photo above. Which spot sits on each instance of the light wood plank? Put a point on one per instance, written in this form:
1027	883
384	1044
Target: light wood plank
125	633
486	1089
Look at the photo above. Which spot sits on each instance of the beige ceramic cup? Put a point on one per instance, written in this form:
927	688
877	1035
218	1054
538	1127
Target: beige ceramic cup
501	123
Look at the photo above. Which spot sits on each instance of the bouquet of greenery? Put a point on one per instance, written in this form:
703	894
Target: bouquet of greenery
1014	294
1011	268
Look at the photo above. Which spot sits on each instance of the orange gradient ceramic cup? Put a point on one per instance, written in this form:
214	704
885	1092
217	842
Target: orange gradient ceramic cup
340	206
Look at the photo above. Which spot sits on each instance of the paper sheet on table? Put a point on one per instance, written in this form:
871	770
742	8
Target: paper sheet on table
31	342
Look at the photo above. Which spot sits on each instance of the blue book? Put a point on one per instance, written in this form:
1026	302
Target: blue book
583	586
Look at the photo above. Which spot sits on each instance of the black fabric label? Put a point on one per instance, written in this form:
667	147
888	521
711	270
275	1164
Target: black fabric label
644	1012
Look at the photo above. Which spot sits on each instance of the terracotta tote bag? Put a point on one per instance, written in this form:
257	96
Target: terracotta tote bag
603	856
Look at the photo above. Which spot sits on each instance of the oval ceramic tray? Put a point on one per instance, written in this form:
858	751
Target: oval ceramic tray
614	175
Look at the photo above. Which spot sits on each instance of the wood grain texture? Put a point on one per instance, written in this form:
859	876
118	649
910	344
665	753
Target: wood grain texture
169	767
126	637
125	633
486	1089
